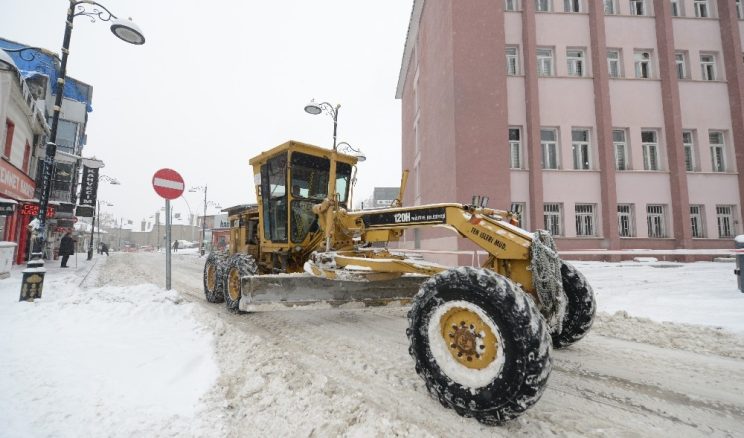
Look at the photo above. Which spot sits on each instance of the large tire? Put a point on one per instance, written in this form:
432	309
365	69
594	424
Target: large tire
214	278
480	344
238	266
580	308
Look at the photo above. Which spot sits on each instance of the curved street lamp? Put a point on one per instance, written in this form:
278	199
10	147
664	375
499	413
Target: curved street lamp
204	217
112	181
318	108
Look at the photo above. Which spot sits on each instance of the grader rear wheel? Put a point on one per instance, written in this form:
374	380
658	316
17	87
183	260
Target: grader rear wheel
238	266
213	277
480	344
580	308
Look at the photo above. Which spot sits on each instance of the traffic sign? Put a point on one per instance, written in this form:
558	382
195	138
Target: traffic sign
168	183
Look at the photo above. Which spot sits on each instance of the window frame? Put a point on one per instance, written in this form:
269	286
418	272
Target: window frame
581	150
515	144
617	61
630	220
689	149
577	57
681	65
677	6
512	57
739	10
702	9
542	59
553	210
697	220
547	3
718	161
634	10
545	146
573	6
650	151
729	224
638	63
612	10
661	223
586	221
624	143
709	69
514	3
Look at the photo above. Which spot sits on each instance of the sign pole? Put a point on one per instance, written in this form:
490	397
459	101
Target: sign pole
167	245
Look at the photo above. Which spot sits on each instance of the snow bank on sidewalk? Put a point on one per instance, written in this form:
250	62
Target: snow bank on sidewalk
108	361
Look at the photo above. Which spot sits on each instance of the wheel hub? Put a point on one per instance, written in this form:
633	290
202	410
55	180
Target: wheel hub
233	284
470	341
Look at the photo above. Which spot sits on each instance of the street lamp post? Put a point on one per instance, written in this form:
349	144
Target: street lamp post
204	217
109	180
124	30
317	108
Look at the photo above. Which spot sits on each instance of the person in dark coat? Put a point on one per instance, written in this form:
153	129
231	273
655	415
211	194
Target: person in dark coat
66	248
175	246
104	249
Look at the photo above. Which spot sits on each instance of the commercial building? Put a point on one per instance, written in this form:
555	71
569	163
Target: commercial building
38	70
614	124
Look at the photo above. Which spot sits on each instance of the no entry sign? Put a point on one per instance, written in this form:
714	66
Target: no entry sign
168	183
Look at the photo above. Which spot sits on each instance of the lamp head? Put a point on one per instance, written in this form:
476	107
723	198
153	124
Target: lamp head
313	108
127	31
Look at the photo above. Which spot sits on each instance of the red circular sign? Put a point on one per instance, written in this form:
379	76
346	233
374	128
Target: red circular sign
168	183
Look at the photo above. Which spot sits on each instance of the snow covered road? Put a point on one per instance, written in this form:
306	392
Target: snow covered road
328	372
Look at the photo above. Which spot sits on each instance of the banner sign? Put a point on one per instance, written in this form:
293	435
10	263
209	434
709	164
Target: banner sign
89	187
84	211
14	183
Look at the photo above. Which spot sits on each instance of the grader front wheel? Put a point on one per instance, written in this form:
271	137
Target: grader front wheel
480	344
213	277
580	308
238	266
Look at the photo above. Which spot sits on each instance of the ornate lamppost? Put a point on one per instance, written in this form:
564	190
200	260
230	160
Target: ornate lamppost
112	181
204	218
124	30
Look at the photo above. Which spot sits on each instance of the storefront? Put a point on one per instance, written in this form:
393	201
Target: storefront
16	189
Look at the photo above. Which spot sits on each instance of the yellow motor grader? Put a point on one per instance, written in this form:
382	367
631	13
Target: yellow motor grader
480	337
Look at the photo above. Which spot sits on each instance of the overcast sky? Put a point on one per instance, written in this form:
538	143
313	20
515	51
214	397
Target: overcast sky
219	81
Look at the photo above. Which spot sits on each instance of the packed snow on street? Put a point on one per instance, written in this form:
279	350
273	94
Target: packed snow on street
107	351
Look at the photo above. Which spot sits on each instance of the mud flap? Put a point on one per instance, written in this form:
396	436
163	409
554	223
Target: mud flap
306	289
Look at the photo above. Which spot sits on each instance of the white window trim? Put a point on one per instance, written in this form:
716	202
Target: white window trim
617	61
680	5
571	4
683	63
576	64
702	9
581	224
662	221
613	7
624	144
715	165
709	69
689	146
542	59
515	58
518	164
731	215
631	220
578	148
545	144
633	10
639	62
700	216
556	214
548	4
649	149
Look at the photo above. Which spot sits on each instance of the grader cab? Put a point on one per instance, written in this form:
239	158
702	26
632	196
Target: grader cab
480	336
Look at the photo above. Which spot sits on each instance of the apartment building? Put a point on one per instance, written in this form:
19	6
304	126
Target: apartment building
613	124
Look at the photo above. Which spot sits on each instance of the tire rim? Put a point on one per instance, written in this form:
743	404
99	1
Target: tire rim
233	284
211	277
466	343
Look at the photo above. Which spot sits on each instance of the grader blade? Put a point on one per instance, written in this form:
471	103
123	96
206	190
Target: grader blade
306	289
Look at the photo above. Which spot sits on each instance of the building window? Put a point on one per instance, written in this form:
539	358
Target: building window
518	208
696	221
739	10
575	59
613	63
609	7
637	7
26	158
9	131
580	146
650	145
717	151
681	61
548	140
552	217
512	61
676	8
571	5
702	9
688	144
708	65
515	148
542	5
585	220
725	216
511	5
643	64
545	62
621	149
625	222
656	221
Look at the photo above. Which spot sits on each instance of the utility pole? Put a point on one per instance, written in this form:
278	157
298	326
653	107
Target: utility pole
204	222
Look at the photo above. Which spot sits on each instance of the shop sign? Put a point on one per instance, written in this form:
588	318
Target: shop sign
14	183
84	211
33	210
89	187
6	208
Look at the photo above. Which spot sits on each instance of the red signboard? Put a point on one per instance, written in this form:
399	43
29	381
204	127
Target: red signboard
168	183
33	210
14	183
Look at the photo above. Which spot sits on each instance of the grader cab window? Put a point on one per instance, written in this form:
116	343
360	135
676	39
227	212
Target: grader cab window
309	187
274	197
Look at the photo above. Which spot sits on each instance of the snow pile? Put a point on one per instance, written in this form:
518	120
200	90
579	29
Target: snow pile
107	361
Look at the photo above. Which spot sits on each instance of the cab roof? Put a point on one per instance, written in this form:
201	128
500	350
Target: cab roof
307	148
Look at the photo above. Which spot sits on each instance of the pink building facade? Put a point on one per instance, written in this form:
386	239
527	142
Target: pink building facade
613	124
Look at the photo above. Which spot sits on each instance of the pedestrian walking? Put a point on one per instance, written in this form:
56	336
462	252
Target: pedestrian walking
104	249
175	246
66	249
